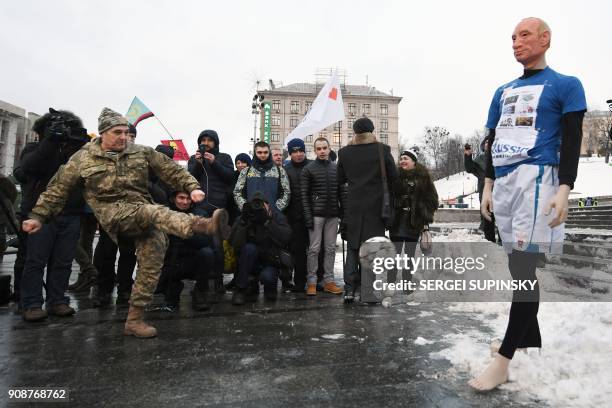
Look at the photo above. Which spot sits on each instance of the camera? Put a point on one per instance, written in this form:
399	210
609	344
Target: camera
65	129
255	211
202	149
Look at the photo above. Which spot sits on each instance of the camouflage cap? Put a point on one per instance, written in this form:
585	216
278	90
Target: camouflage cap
109	118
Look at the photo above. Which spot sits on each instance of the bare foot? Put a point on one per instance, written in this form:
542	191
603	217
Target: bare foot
495	374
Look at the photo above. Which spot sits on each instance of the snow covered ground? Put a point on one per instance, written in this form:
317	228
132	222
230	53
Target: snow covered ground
594	180
574	366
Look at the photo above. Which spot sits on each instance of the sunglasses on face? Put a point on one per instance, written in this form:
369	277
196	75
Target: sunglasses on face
297	149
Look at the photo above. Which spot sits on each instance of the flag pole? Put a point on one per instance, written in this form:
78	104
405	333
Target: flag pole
162	125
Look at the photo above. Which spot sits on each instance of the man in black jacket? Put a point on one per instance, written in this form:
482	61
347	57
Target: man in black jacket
359	166
61	134
190	258
215	173
258	236
295	213
320	193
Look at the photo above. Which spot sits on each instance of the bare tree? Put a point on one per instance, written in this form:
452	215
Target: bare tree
435	145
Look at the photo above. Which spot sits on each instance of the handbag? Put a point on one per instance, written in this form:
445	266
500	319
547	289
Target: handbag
387	210
425	242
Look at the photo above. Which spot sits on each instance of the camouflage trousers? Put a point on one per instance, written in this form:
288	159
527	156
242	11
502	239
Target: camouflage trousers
148	227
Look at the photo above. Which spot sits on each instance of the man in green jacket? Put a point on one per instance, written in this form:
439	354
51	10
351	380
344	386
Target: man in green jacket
114	177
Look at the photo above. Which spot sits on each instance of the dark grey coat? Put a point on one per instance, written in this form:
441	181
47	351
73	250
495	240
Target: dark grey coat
359	166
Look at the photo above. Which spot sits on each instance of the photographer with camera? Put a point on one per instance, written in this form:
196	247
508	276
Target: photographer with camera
61	134
215	173
259	236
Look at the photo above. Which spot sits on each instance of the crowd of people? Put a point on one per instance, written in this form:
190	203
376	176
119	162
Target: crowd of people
263	220
175	223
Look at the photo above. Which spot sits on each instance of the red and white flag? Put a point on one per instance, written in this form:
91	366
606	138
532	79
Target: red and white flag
326	109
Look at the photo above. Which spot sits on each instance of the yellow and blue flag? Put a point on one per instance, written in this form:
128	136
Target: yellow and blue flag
137	112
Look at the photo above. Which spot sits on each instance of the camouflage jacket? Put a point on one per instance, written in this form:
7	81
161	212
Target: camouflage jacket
114	185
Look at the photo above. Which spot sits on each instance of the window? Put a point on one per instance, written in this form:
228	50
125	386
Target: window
275	120
295	107
352	109
384	138
337	139
384	110
276	105
338	125
275	137
293	121
366	108
308	105
309	138
4	129
349	124
384	124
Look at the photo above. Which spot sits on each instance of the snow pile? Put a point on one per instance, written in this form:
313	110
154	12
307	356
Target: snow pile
574	367
420	341
456	185
594	178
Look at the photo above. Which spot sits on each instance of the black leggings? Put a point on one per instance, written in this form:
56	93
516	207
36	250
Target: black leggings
523	330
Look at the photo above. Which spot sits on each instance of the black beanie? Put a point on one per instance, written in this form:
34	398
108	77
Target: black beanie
411	154
165	149
132	129
363	125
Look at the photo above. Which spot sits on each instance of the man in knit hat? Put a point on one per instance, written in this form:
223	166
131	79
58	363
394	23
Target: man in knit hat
114	177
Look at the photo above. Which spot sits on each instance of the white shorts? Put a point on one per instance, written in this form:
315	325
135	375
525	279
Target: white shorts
519	203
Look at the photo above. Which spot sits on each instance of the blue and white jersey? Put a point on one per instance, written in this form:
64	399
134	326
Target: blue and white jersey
526	115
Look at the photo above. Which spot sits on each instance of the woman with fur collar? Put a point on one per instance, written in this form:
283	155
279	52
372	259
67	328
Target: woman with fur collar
415	200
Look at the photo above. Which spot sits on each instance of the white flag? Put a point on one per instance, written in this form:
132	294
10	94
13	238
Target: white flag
326	109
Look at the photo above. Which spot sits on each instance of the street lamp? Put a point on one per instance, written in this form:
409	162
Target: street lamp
256	107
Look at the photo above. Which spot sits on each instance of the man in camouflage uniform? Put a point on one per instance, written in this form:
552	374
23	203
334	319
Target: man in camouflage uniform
114	176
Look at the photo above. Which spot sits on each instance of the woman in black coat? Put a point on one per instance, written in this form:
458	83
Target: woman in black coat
415	200
359	167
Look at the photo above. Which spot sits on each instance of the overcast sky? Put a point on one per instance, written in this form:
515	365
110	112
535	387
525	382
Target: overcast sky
194	63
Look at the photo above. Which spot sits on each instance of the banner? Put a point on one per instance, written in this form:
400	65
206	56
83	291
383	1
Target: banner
180	153
326	109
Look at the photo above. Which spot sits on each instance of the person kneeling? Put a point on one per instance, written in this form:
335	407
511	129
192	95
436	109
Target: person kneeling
258	236
190	258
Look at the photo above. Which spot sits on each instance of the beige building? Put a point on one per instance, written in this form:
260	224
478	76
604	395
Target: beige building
15	132
290	103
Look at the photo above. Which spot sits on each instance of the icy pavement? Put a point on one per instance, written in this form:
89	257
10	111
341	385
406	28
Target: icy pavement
307	352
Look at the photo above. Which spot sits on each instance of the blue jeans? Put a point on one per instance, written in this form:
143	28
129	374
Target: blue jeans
54	246
249	269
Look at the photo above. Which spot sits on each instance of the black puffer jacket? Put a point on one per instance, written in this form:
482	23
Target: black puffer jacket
216	179
294	211
320	191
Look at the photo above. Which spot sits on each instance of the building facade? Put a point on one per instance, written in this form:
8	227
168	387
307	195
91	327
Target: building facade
15	132
290	103
595	132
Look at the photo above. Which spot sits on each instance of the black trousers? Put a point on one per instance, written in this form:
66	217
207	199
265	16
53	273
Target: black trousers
298	247
408	244
523	330
104	262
